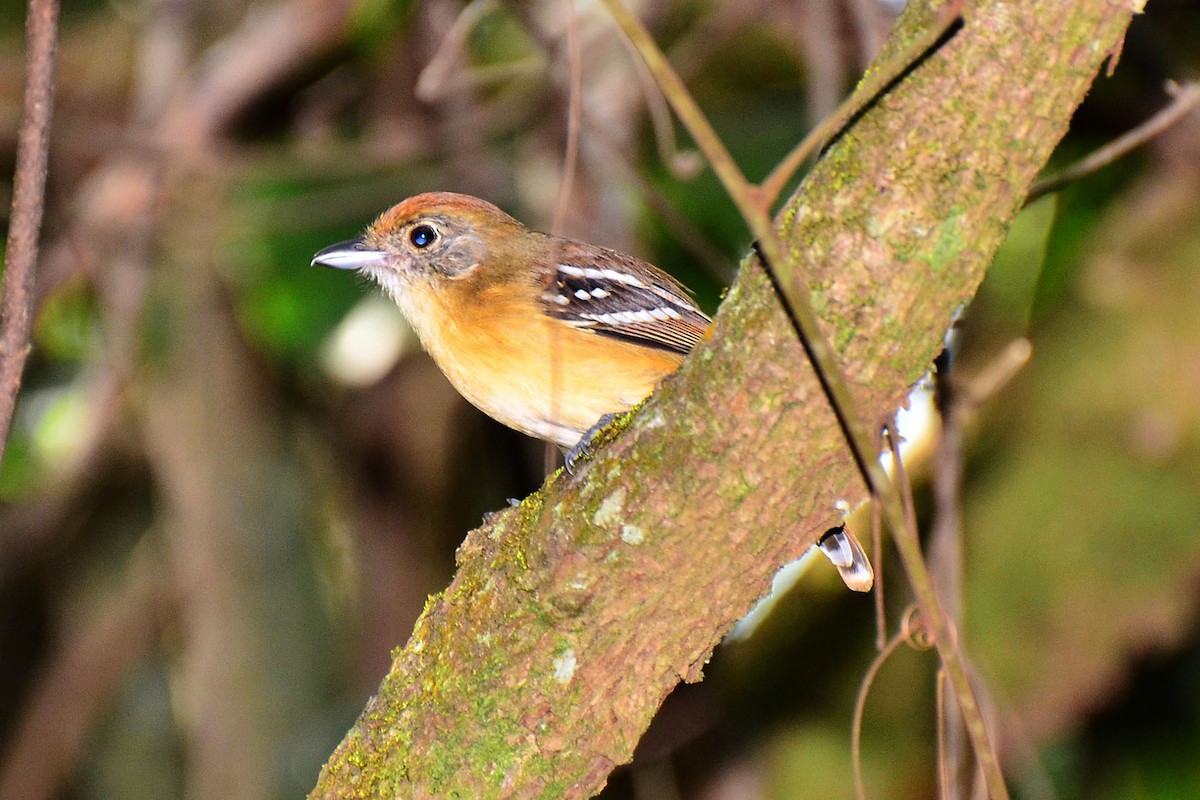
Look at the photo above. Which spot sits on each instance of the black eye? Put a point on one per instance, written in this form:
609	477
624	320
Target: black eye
422	236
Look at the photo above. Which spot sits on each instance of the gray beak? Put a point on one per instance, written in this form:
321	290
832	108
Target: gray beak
350	254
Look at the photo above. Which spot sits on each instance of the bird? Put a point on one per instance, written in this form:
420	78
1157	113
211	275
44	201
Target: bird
548	335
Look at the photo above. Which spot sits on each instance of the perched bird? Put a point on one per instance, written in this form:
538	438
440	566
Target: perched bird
545	334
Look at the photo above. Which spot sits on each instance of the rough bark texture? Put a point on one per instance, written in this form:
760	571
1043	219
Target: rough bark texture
573	615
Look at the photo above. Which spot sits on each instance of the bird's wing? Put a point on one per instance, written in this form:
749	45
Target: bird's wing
623	297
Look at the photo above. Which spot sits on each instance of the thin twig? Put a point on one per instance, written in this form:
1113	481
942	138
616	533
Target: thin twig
860	705
869	90
574	112
955	403
682	164
29	194
706	253
551	454
943	769
437	77
877	552
825	365
996	374
745	197
945	556
903	484
1185	99
908	634
824	362
945	637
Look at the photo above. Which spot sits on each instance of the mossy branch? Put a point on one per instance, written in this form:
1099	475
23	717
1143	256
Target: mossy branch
573	615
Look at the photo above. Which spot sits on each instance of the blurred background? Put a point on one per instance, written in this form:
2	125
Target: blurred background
233	480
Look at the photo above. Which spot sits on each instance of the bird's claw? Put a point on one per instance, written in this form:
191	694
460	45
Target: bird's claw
582	448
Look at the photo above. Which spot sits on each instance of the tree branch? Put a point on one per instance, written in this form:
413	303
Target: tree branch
29	189
573	615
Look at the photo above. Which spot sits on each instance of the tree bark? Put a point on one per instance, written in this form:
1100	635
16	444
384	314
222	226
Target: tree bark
574	614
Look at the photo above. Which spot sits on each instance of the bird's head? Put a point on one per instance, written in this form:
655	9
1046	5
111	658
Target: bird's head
430	238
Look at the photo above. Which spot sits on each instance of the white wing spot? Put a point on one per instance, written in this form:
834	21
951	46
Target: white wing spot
619	277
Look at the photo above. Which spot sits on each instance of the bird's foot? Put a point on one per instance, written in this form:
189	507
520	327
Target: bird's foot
582	448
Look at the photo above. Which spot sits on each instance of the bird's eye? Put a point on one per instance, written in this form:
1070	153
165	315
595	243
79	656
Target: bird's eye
422	236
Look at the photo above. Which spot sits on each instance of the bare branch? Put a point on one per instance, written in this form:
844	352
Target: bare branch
1184	100
29	192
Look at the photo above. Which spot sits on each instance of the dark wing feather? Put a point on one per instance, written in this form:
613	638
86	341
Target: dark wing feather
623	297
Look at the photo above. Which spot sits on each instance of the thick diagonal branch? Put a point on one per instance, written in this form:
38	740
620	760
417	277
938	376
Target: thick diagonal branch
573	615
